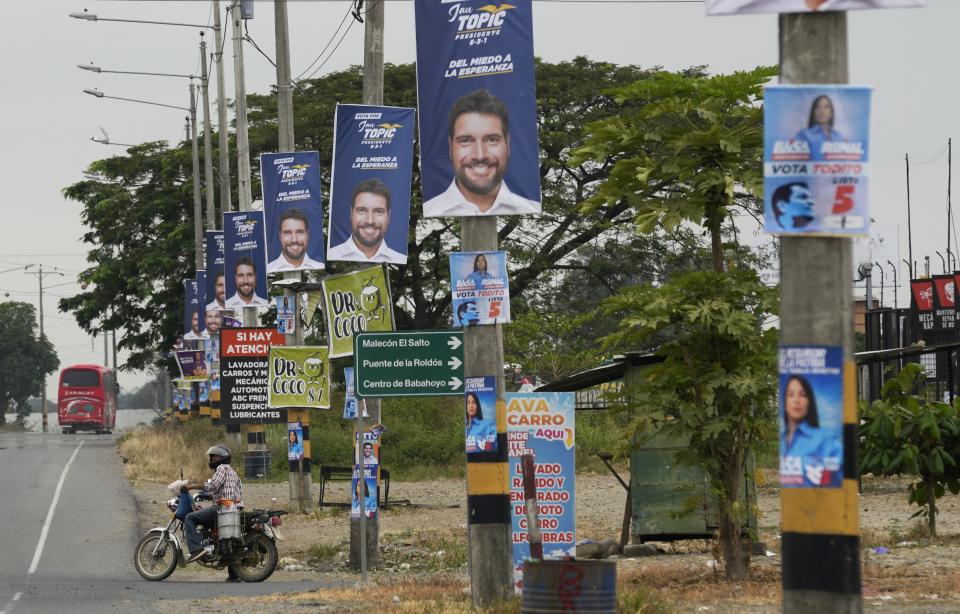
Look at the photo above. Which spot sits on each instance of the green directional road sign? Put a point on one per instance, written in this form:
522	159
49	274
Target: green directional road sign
415	363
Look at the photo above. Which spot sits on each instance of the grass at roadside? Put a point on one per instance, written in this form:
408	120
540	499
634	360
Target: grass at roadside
159	452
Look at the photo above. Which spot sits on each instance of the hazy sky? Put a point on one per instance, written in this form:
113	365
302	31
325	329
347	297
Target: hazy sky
908	55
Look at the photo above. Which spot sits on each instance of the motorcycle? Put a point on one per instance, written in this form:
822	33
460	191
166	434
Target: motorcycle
243	541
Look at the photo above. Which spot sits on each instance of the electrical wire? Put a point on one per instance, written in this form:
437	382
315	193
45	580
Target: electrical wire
248	38
329	42
332	51
932	158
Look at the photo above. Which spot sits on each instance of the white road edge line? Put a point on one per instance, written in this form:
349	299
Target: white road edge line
53	505
9	605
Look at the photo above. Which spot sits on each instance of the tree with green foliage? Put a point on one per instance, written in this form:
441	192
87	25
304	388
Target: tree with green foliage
688	150
902	433
25	358
140	239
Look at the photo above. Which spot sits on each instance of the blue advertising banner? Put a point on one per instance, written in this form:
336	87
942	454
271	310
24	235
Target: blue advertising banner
811	417
543	424
481	291
244	260
370	184
216	286
481	413
294	441
816	160
193	313
292	204
476	96
350	396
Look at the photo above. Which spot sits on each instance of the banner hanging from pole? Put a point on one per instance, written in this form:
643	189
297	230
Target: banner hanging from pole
244	260
292	203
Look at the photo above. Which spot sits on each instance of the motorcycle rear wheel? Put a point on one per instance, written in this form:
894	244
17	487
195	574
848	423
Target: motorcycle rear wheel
258	560
155	568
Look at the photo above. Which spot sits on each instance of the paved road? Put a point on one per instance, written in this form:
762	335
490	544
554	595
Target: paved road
78	557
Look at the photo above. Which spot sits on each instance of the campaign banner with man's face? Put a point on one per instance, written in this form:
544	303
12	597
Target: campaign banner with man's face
476	96
816	160
244	260
293	206
481	291
811	416
356	302
543	424
193	312
216	286
734	7
299	377
370	184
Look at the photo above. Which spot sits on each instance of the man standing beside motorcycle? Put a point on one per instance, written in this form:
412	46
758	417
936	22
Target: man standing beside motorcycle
225	484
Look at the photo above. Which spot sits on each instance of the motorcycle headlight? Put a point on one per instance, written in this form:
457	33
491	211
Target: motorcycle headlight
172	504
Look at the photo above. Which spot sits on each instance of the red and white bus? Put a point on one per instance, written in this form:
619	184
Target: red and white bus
87	399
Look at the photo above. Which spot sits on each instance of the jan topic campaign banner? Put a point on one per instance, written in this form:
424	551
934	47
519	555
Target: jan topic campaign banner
292	203
215	287
816	162
299	377
543	424
733	7
244	260
811	416
481	291
479	153
194	321
356	302
370	184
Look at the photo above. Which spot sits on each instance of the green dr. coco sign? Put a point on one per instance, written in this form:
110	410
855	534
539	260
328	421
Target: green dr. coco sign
299	377
409	363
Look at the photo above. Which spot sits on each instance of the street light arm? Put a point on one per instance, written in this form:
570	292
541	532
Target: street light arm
93	17
99	94
97	69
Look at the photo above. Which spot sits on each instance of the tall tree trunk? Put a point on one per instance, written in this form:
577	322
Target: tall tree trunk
713	220
931	506
736	559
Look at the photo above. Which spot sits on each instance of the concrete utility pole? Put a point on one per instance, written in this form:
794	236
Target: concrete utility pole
43	381
365	532
821	526
207	138
243	144
197	212
299	471
226	203
488	473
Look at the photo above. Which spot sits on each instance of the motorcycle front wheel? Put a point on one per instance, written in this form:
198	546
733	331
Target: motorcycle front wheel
155	557
258	559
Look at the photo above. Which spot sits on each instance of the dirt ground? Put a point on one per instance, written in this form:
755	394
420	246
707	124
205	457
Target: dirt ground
423	535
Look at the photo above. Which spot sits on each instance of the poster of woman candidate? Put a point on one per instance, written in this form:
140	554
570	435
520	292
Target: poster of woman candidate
216	286
370	184
480	411
478	108
543	424
811	416
244	260
369	494
481	291
293	209
732	7
294	441
816	160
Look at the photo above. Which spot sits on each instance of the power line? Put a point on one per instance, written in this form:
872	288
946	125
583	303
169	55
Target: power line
329	42
332	51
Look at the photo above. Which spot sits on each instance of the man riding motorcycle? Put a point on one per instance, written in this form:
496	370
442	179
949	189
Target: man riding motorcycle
225	484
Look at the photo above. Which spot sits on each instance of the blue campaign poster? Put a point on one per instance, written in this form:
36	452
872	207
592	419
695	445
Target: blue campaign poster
370	184
215	288
476	97
294	441
481	290
350	402
543	424
811	416
480	407
292	203
193	312
816	160
244	260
